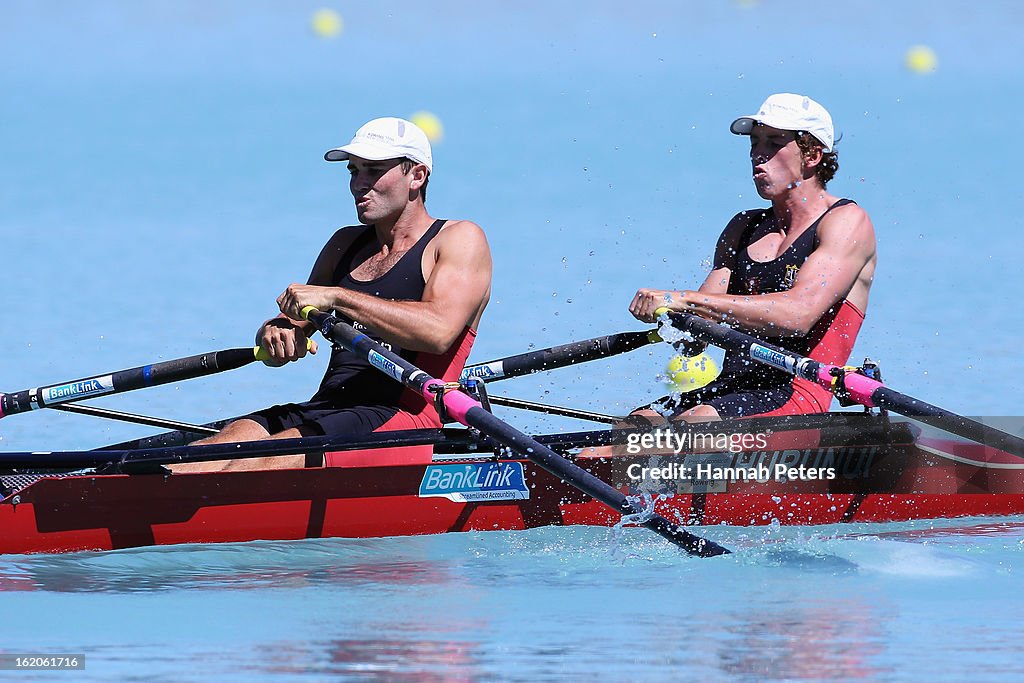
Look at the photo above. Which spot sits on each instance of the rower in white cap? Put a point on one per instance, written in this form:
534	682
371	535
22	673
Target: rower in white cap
413	282
796	274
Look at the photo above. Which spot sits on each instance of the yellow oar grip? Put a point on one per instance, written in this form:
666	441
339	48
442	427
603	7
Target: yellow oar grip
306	311
261	353
655	334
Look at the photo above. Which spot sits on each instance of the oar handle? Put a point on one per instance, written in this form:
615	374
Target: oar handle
261	354
683	347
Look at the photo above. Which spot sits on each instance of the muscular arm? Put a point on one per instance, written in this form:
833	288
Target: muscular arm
455	294
843	261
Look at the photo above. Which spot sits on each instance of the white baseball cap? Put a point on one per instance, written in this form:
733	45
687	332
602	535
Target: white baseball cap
787	111
387	138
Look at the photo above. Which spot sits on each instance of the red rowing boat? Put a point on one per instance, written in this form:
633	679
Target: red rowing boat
810	469
882	470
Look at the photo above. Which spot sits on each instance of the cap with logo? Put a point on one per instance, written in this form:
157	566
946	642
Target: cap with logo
386	138
787	111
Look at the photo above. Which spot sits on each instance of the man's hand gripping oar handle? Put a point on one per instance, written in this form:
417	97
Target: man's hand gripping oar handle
470	413
262	354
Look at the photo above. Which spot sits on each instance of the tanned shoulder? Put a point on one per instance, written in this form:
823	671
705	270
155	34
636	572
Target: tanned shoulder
461	235
850	223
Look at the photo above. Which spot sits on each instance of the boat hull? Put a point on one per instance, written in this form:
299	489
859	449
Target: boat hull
895	479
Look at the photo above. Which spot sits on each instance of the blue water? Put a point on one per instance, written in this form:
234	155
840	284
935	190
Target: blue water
161	182
875	602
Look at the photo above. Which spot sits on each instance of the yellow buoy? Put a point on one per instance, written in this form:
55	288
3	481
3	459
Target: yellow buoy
430	124
921	59
327	23
687	374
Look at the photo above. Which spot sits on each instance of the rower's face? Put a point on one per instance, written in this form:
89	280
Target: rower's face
776	160
379	188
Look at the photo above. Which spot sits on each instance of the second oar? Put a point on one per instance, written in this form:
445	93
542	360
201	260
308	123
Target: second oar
470	413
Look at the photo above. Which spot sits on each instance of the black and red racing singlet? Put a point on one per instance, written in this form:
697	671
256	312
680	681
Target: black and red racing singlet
832	338
350	380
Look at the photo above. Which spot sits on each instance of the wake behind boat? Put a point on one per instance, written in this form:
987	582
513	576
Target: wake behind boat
811	469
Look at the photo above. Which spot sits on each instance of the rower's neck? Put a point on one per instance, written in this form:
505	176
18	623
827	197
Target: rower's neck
801	207
404	231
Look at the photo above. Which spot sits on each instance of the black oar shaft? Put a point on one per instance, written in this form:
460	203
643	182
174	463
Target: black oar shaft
579	478
953	423
125	380
861	389
469	412
560	356
884	397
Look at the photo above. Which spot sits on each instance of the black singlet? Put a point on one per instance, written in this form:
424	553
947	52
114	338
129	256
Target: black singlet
350	379
750	277
746	387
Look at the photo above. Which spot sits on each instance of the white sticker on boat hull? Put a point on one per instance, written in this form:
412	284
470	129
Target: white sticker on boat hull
475	482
